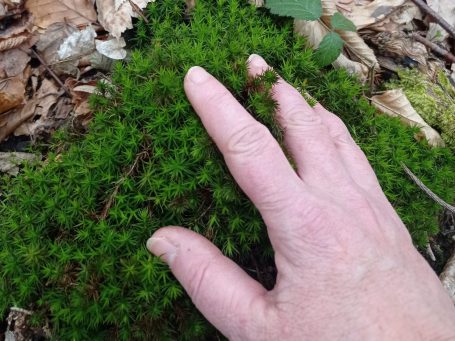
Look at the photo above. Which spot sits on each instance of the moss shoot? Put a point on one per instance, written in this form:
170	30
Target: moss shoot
73	229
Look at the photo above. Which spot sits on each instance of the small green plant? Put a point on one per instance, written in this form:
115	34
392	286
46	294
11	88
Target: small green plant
73	230
331	45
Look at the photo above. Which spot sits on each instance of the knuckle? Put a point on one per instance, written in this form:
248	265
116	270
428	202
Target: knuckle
198	279
298	117
219	98
251	139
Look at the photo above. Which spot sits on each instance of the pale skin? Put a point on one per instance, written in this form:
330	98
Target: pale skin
347	269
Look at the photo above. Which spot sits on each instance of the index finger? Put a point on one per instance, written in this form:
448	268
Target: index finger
253	156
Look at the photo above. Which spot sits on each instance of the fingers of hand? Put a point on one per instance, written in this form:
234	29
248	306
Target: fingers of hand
219	288
306	137
353	158
253	156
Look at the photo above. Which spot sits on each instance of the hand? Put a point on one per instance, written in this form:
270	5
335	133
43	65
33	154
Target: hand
346	265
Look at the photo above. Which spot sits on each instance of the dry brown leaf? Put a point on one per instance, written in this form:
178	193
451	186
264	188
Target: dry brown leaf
48	12
13	63
314	32
44	99
396	104
373	13
399	45
13	119
115	15
446	9
16	33
12	92
354	43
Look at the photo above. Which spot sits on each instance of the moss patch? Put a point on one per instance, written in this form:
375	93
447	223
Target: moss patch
147	150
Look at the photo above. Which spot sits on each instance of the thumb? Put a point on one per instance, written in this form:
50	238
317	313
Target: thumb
219	288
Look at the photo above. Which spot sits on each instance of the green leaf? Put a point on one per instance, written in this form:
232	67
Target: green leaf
298	9
329	49
339	22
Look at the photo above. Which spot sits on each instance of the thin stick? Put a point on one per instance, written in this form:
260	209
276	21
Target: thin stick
434	47
138	11
110	201
440	20
428	191
52	73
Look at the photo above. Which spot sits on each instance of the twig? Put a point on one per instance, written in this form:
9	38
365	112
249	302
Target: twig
52	73
434	47
109	202
138	11
430	253
428	191
440	20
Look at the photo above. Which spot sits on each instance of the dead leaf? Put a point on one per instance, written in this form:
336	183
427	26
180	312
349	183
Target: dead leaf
48	12
77	44
115	15
12	92
49	46
314	32
354	43
399	45
16	33
112	48
10	162
373	13
39	106
14	118
396	104
13	63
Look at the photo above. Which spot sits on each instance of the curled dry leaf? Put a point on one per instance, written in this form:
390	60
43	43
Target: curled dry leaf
373	13
354	43
48	12
18	32
115	15
396	104
12	92
40	106
398	45
112	48
314	32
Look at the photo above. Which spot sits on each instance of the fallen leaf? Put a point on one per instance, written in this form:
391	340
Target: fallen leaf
373	13
48	12
396	104
12	92
112	48
16	33
11	120
399	45
13	63
10	162
314	32
115	15
40	107
77	44
354	43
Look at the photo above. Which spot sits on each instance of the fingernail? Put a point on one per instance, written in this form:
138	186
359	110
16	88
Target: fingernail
257	60
163	248
197	74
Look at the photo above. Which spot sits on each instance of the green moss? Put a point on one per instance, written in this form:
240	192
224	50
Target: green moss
146	148
434	101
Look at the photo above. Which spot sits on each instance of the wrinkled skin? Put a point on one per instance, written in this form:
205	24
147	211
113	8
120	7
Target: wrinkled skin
346	265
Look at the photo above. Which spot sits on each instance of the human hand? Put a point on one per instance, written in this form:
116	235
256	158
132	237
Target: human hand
346	265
